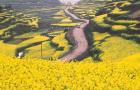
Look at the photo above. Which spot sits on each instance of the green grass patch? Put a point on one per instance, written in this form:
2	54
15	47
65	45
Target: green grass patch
114	48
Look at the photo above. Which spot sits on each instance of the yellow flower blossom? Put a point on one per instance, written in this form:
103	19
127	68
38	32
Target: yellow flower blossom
35	74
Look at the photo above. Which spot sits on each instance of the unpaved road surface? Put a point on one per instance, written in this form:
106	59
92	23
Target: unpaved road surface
81	43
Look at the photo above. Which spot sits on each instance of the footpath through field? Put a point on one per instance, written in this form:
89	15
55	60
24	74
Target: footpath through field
81	43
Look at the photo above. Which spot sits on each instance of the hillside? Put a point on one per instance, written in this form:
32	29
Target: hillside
115	33
21	5
44	34
93	1
113	26
115	22
22	33
29	1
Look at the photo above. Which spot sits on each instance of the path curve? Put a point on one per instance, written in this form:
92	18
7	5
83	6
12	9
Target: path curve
81	43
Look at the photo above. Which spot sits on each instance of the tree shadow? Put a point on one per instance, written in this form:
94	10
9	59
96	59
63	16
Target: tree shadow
130	35
95	52
103	40
132	38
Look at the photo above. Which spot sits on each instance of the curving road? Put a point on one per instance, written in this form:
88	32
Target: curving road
81	43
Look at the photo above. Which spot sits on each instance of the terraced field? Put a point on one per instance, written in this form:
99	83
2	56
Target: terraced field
85	11
115	33
113	57
112	27
24	33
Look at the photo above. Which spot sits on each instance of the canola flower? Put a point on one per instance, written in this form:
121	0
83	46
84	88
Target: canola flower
119	27
47	50
62	42
33	22
123	3
114	48
10	50
127	22
8	28
7	49
100	18
58	17
83	11
31	74
7	19
61	12
126	3
66	20
35	39
119	11
65	24
35	51
122	22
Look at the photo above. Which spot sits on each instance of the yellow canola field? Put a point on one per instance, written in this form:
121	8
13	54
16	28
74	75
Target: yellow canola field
118	11
32	74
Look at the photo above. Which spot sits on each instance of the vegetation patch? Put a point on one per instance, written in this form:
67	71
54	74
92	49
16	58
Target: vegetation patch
119	12
114	48
118	27
39	74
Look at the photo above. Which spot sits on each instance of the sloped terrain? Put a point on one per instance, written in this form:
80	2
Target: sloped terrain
14	24
116	32
114	27
29	1
21	32
113	37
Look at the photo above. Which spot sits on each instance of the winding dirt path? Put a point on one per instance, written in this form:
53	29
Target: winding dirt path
81	43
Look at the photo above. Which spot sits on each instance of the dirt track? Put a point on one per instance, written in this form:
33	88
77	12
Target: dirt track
81	43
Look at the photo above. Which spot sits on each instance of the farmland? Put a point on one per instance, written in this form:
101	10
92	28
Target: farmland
46	33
